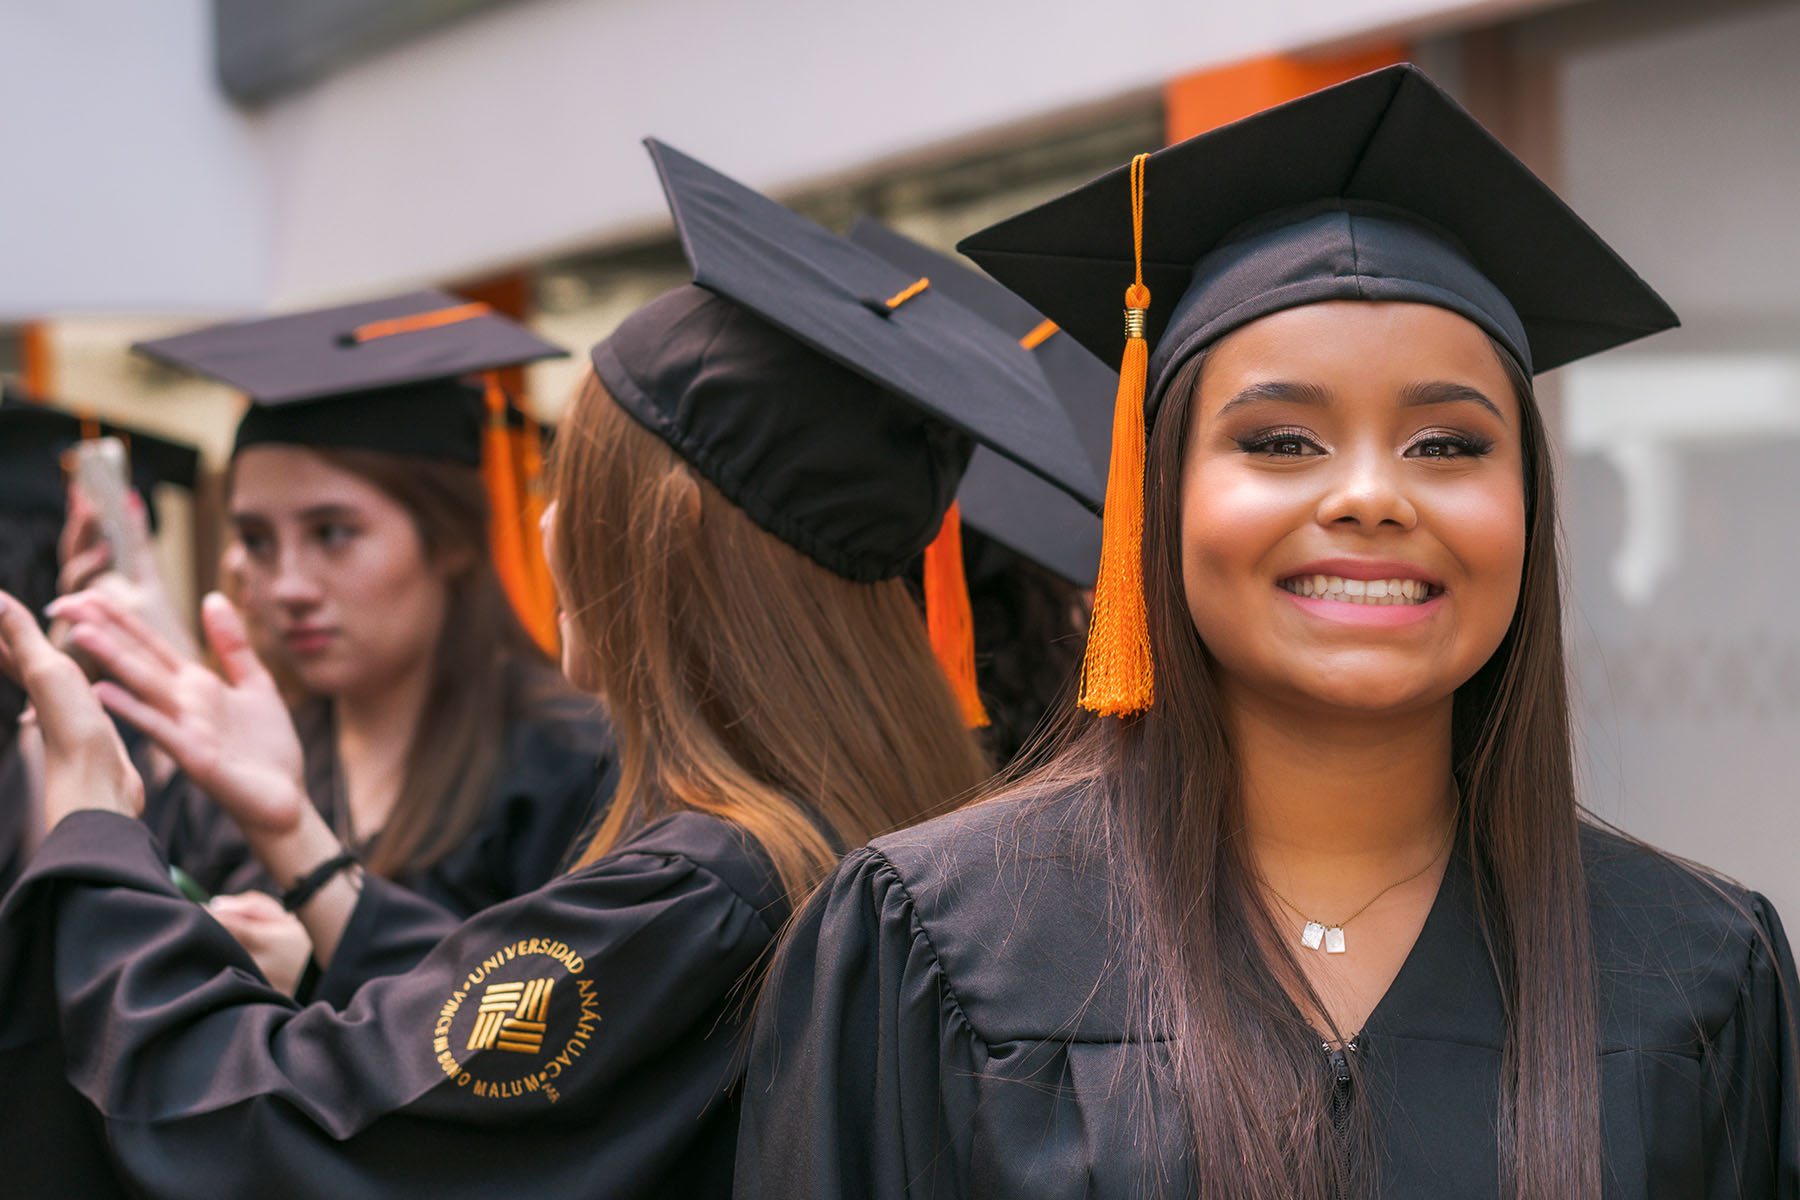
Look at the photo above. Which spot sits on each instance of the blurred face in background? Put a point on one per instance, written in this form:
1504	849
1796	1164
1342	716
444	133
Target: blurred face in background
333	572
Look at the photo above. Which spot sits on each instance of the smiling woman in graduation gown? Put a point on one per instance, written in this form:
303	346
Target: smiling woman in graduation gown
752	464
1306	907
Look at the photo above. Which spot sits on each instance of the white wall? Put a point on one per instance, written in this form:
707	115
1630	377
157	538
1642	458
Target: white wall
1683	452
128	181
514	133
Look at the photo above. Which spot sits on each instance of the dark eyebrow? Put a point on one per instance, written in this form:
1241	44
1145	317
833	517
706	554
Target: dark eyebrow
1415	395
318	512
1279	391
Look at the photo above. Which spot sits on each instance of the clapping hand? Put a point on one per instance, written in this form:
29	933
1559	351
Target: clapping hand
85	764
232	734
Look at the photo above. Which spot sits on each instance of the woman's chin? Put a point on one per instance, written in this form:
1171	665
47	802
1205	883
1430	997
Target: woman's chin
329	676
1365	693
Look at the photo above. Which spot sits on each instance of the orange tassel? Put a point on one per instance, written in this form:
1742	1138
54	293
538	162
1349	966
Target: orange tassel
513	550
948	617
1117	675
528	467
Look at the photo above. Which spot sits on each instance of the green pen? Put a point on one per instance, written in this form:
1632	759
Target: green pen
189	886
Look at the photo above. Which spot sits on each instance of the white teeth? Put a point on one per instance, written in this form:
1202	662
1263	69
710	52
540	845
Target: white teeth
1360	591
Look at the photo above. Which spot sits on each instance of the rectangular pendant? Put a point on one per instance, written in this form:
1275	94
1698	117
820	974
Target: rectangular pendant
1334	940
1313	934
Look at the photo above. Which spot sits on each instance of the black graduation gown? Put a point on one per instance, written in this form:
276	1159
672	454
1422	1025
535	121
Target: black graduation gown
556	771
580	1040
15	813
947	1021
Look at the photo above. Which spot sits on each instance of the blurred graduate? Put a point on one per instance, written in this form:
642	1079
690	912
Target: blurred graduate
385	552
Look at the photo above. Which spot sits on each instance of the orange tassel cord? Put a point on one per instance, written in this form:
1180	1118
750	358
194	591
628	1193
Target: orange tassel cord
518	555
1117	675
949	619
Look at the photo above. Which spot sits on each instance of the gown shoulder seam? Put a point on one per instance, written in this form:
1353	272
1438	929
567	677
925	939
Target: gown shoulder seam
920	930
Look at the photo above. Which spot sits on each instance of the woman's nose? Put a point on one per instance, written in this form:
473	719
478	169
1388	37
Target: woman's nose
1367	489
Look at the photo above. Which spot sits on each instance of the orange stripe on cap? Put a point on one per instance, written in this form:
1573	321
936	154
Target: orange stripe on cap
517	552
907	293
430	319
948	617
1117	675
1039	335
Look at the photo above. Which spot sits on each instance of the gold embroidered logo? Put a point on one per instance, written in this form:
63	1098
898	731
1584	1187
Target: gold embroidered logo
518	1021
511	1017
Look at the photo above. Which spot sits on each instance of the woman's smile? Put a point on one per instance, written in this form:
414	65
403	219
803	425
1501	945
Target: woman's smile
1353	522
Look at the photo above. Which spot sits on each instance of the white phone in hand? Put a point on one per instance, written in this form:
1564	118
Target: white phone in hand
101	474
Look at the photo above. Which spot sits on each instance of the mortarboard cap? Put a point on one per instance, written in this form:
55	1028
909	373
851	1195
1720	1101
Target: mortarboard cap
383	375
998	498
831	395
1381	188
839	421
34	435
392	375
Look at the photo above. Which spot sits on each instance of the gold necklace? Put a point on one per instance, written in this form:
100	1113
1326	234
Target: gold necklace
1329	935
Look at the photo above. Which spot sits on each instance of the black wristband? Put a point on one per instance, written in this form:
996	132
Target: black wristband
309	884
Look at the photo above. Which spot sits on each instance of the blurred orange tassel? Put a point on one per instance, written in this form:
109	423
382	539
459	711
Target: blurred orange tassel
512	529
948	617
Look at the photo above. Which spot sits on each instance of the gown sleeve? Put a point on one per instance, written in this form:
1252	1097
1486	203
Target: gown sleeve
555	784
842	1097
391	930
1752	1061
15	808
575	1041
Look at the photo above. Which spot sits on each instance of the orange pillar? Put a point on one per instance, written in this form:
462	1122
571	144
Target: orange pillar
37	373
1205	100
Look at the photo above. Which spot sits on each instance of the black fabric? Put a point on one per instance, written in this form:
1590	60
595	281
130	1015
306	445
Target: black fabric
34	435
182	1051
847	473
440	418
312	382
948	1021
1250	218
923	372
15	811
1339	250
997	498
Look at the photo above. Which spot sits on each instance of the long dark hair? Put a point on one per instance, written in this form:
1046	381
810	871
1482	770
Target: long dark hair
1211	975
486	672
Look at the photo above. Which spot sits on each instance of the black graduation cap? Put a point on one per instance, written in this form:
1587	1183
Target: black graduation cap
380	375
823	389
997	498
1381	188
34	436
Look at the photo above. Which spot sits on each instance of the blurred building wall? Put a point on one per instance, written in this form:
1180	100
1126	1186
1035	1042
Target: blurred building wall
129	183
1683	454
513	134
